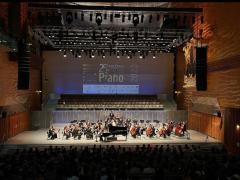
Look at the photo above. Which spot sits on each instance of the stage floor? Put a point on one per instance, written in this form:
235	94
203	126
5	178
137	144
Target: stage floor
39	137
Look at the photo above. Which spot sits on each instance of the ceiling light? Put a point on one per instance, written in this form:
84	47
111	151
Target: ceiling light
64	54
135	19
98	19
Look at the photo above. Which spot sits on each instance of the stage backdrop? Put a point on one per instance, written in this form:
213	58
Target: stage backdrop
111	75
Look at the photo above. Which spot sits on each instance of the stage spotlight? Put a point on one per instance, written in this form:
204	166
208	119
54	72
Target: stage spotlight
103	55
98	19
69	17
92	54
79	55
154	55
118	56
64	54
135	19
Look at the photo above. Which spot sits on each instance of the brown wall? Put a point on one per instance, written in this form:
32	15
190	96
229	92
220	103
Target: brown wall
222	34
13	99
207	124
13	125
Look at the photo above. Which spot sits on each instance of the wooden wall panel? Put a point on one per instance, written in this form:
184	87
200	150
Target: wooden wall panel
207	124
13	125
18	100
221	33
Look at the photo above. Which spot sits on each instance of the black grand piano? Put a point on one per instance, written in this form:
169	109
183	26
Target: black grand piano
115	130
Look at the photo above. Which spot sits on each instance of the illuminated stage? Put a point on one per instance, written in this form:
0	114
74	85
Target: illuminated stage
39	137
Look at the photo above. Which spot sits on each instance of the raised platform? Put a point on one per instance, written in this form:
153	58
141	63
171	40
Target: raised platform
39	137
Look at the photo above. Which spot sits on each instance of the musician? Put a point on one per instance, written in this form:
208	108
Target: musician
150	131
133	130
111	115
52	134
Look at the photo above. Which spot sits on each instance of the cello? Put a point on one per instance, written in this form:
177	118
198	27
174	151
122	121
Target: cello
149	131
133	131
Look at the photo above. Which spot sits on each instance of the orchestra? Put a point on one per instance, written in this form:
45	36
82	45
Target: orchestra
114	125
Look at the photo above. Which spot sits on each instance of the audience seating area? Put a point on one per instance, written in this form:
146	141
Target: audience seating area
175	162
79	102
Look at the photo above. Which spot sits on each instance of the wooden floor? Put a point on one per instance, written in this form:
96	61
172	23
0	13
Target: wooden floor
39	137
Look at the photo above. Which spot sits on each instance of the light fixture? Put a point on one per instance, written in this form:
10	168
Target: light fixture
98	19
79	55
64	54
103	54
92	54
135	19
238	126
118	56
154	55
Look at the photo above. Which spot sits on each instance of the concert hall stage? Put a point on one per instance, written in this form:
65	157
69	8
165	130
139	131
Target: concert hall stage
39	137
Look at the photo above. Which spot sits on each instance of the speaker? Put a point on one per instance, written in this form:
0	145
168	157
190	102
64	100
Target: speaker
201	68
23	65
